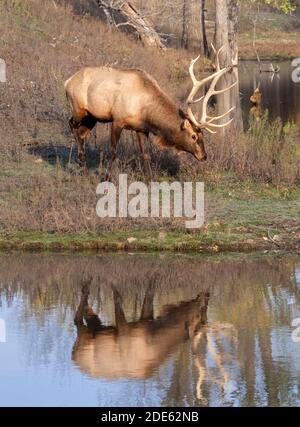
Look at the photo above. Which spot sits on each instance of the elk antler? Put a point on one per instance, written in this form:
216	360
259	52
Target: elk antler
207	122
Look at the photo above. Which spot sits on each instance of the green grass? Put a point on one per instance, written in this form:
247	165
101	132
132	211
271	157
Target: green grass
173	241
117	241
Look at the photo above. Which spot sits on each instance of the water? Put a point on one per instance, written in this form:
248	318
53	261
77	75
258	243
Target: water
221	333
280	94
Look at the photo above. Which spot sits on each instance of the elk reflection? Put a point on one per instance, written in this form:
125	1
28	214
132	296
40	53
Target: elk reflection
133	349
256	108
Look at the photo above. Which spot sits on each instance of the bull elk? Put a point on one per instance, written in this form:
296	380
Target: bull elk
131	99
133	349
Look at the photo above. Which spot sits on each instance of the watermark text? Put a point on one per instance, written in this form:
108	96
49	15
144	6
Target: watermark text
296	332
156	200
2	71
296	71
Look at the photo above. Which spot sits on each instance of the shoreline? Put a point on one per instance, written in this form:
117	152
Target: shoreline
268	58
147	241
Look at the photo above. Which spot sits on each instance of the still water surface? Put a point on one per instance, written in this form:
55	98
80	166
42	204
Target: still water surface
151	330
280	92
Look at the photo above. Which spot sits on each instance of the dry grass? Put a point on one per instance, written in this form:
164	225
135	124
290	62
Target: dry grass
277	34
268	152
268	47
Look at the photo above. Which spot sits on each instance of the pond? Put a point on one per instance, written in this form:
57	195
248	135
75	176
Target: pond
280	92
149	330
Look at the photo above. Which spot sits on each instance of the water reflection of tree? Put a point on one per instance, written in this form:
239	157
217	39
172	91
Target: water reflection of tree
281	95
255	312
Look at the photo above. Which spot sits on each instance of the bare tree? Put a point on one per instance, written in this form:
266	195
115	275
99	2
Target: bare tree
233	28
203	37
226	35
222	32
193	26
227	27
128	15
184	36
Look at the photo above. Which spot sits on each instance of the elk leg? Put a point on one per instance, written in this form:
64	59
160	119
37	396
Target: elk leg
86	126
78	319
80	144
204	308
116	131
86	312
85	291
147	309
82	155
92	319
119	312
141	141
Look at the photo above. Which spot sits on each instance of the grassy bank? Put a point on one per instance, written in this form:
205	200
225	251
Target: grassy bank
241	217
228	240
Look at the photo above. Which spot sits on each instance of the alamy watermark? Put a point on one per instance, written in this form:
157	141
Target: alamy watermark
2	331
296	71
155	200
2	71
296	332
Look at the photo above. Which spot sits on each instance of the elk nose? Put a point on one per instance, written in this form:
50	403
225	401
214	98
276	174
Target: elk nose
205	157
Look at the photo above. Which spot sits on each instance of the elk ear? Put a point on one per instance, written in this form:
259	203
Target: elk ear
186	125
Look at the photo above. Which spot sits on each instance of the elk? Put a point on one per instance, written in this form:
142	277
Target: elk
256	109
132	99
133	349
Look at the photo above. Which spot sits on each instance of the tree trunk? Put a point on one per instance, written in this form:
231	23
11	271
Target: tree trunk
203	37
109	18
147	34
233	29
126	11
227	24
192	30
222	32
184	36
227	27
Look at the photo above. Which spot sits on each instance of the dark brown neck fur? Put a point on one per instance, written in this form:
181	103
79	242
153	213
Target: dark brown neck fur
164	117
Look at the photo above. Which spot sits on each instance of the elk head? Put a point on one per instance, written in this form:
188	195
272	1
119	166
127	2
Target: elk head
193	127
256	97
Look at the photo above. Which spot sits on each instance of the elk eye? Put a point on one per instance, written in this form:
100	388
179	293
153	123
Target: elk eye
194	137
